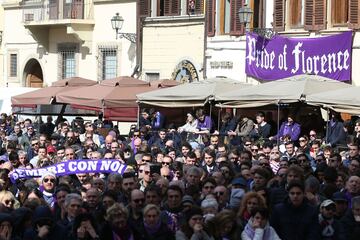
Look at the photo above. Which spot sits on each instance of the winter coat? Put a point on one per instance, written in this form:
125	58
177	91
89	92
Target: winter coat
295	223
351	227
164	233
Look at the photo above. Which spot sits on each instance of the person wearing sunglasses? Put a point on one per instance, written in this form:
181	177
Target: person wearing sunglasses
136	206
222	196
330	228
48	182
7	199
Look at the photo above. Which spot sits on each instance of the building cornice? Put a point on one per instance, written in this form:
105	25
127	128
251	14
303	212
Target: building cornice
113	1
11	4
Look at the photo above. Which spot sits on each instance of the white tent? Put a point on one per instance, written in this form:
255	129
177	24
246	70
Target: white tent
190	94
287	90
342	100
5	96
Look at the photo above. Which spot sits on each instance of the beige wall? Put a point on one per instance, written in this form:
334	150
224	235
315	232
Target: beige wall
18	39
1	48
167	43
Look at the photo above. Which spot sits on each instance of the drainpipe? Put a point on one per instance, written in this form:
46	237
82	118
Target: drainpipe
205	41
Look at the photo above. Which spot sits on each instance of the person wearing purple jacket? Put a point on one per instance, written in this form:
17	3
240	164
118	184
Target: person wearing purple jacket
288	128
204	122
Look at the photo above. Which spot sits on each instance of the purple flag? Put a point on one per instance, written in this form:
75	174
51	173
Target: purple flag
282	57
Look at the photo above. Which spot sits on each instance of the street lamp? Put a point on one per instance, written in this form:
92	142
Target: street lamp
117	22
245	14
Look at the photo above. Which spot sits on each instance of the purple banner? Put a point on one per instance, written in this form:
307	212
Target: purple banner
282	57
71	167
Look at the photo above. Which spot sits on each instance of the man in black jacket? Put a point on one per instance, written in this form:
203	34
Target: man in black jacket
295	219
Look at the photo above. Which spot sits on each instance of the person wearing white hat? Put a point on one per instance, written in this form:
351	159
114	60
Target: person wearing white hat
330	228
48	184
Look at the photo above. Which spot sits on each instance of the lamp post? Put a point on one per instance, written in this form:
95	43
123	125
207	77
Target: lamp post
117	22
245	14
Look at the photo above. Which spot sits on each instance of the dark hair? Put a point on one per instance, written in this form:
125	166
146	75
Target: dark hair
210	152
264	212
191	155
263	172
153	188
175	188
81	218
209	180
110	193
296	183
260	114
187	145
13	156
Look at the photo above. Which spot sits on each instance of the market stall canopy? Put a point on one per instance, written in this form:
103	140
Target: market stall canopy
111	93
287	90
345	100
190	94
115	97
48	95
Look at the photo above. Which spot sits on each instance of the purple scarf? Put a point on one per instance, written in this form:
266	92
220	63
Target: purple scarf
250	231
152	229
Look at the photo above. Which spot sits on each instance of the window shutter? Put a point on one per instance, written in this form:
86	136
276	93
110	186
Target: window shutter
315	15
210	16
236	28
171	7
175	7
199	6
279	13
144	8
354	14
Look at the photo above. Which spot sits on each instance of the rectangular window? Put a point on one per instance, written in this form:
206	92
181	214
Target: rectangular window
168	7
225	10
195	7
339	12
108	63
13	65
295	11
67	62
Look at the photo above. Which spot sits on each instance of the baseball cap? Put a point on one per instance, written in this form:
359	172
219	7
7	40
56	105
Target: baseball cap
239	181
51	149
326	203
339	196
187	198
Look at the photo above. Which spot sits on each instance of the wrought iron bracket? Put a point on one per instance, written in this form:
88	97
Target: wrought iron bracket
129	36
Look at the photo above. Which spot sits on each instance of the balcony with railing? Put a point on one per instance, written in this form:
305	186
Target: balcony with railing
75	16
56	11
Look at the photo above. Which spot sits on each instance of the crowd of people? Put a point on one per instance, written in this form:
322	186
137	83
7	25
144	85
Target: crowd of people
241	181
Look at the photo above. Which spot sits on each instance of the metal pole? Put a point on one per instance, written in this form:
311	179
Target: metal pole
218	128
210	117
138	116
278	124
327	124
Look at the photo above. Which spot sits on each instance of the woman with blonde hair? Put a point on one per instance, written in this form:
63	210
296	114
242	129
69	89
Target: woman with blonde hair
116	226
153	228
7	199
250	201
